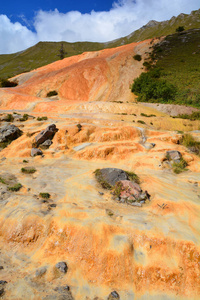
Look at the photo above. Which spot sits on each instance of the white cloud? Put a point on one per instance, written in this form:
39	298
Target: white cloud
14	37
124	17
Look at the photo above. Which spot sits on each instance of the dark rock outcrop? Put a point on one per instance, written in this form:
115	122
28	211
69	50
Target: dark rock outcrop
114	296
46	134
9	133
46	144
109	176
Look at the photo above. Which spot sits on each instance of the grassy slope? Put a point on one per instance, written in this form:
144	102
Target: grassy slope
179	59
46	52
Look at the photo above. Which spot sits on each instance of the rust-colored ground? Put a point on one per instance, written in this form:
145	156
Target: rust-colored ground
142	253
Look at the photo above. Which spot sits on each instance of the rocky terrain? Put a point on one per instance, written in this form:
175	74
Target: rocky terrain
92	204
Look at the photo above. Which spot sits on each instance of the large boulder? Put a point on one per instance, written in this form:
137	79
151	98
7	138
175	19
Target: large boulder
9	133
46	134
109	176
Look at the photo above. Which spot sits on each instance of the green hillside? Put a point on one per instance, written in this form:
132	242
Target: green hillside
174	61
47	52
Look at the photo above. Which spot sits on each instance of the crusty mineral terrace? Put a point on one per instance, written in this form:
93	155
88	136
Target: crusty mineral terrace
148	252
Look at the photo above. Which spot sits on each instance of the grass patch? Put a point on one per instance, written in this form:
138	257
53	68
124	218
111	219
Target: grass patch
192	117
52	93
189	142
148	116
42	118
28	170
133	177
179	167
79	127
2	180
101	181
25	161
15	187
45	195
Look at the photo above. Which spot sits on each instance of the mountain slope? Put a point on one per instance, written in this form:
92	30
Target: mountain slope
46	52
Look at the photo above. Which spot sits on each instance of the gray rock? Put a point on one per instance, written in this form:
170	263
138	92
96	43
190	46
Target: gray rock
82	146
136	204
46	144
62	266
173	155
9	133
1	292
46	134
114	296
40	271
35	152
112	175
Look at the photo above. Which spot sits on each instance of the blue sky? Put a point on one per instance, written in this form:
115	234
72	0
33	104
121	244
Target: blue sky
25	23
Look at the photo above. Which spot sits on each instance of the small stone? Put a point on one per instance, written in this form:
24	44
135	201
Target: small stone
114	295
3	282
1	267
52	205
136	204
40	271
1	292
101	193
67	288
35	152
62	266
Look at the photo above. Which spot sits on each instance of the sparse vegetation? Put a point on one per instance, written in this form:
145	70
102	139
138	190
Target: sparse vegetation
25	161
45	195
15	188
194	116
148	116
137	57
52	93
42	118
28	170
2	180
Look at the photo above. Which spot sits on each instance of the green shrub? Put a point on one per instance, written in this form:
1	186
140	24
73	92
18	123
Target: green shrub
28	170
194	116
24	118
52	93
25	161
6	83
137	57
180	29
9	118
147	65
42	118
141	122
45	195
149	86
15	187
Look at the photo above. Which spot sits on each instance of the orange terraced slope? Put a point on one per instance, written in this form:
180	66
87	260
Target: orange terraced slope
149	252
